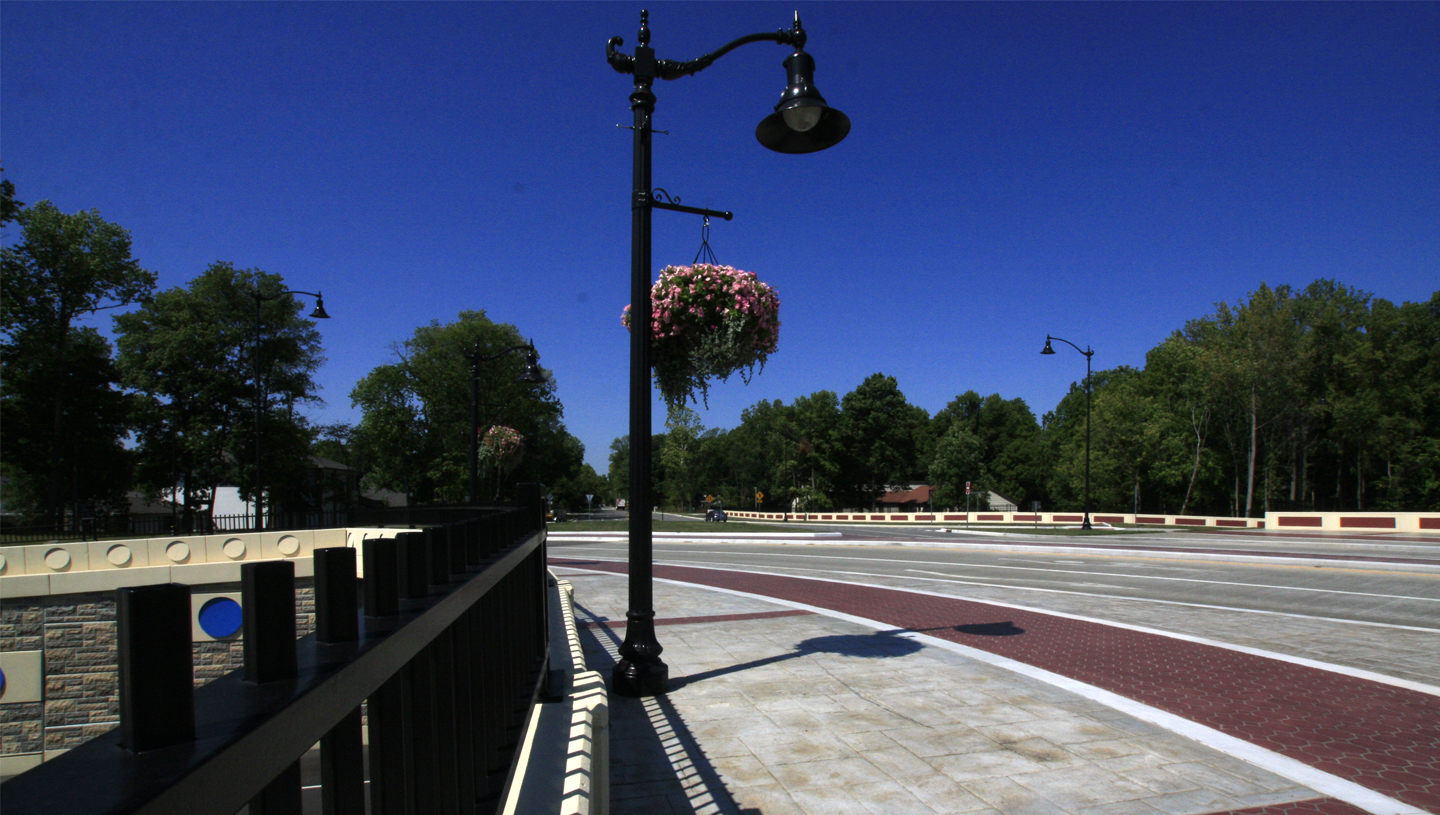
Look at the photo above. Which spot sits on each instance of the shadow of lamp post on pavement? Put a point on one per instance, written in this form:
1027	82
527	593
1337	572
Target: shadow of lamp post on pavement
801	123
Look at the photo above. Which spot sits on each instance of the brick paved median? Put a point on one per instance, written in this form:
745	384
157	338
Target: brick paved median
1383	737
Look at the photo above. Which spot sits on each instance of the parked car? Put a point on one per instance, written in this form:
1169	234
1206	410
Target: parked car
716	515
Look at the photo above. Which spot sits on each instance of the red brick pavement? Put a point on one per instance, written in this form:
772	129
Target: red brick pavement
1379	736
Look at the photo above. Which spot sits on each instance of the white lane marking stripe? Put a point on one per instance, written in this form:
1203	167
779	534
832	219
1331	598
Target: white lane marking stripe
1297	771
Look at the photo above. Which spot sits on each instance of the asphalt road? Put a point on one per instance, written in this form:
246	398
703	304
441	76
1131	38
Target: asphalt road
1371	605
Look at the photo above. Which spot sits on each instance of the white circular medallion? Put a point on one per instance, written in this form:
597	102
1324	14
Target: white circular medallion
289	546
234	549
118	555
179	551
2	564
57	559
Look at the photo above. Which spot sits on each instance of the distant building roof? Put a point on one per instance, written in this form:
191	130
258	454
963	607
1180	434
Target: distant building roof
916	495
321	463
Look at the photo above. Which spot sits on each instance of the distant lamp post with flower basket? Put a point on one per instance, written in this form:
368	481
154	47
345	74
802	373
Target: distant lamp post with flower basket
502	447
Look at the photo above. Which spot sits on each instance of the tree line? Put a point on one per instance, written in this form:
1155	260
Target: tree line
1323	398
1319	398
172	410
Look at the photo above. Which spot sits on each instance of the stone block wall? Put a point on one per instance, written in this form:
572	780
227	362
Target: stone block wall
76	635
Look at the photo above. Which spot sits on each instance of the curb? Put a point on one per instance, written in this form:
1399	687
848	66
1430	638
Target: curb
564	766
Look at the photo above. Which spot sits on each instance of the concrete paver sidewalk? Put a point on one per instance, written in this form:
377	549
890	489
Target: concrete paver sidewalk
773	711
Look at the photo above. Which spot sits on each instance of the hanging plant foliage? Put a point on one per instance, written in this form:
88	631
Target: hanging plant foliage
503	446
708	321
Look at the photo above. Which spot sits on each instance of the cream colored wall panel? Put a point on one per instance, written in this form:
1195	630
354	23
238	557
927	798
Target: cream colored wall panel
176	551
54	558
16	764
24	676
275	545
199	602
124	554
107	579
198	574
232	548
24	585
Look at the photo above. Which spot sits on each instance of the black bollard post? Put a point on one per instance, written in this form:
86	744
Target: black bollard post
268	592
382	577
156	671
267	589
337	601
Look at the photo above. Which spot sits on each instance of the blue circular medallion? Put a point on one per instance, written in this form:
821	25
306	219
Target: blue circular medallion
221	617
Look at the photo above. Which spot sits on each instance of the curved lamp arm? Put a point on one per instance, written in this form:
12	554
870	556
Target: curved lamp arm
672	69
1048	350
532	374
318	313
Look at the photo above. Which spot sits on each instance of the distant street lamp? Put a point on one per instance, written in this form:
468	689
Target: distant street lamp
801	123
317	314
532	375
1088	353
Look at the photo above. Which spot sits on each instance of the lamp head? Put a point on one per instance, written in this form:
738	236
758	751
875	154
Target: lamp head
532	375
1048	349
802	122
319	312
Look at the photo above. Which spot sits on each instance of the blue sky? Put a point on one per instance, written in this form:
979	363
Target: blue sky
1097	171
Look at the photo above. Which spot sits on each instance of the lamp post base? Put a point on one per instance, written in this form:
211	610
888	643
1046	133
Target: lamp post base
636	679
640	671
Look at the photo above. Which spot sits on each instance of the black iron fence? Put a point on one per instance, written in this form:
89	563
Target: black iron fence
154	525
444	641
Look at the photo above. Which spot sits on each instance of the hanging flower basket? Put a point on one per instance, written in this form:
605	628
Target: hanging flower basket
708	322
502	445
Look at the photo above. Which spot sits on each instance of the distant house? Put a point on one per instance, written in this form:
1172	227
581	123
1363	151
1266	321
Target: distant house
920	496
908	500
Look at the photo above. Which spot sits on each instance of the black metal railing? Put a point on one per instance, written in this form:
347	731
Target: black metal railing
444	640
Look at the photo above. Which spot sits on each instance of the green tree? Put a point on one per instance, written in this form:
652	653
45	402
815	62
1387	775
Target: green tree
619	470
678	456
94	466
879	433
193	353
9	207
415	423
63	267
1125	440
1252	358
958	459
1009	444
1185	405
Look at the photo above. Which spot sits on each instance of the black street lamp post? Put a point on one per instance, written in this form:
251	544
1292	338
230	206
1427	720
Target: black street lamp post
317	314
1088	353
801	123
531	376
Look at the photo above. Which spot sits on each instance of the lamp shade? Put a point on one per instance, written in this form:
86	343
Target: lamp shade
319	312
532	375
1047	349
802	122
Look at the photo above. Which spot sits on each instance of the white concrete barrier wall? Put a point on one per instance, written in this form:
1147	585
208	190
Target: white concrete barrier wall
1422	522
44	569
943	518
